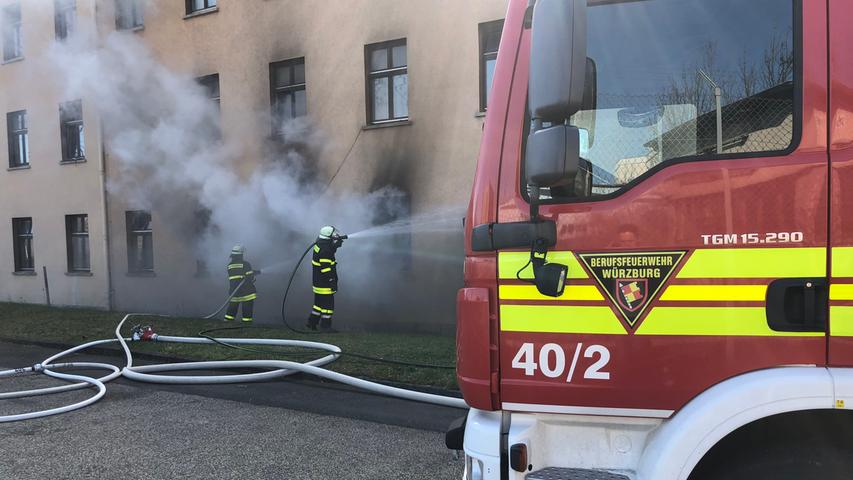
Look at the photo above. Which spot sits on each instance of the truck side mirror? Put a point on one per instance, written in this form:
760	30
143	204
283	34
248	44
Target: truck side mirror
558	61
553	156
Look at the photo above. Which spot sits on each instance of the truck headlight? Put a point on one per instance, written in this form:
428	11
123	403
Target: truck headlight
473	468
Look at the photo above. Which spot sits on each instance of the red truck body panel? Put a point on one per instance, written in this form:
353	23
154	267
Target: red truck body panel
669	209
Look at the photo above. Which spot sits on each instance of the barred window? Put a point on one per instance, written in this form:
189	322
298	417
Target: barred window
140	242
77	243
22	237
387	82
669	71
18	138
13	43
71	130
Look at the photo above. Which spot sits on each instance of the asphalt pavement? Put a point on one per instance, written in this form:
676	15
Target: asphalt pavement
285	429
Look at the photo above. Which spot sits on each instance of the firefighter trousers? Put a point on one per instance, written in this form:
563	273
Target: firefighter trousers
248	310
322	311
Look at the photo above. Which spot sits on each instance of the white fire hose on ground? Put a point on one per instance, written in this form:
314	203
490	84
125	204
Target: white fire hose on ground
148	373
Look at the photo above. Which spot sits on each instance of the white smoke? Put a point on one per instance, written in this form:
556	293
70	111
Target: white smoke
171	153
162	133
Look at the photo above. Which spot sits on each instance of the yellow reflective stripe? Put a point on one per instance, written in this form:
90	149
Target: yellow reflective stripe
529	292
323	290
317	248
842	262
235	277
696	321
316	264
235	265
325	270
715	293
511	262
326	260
245	298
841	321
559	319
840	291
755	263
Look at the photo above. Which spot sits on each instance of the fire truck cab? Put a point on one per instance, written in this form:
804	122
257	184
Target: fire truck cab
659	244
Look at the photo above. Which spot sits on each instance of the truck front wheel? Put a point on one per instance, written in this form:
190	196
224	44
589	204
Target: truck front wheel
796	462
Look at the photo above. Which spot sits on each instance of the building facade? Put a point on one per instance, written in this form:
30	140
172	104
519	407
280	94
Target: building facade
392	94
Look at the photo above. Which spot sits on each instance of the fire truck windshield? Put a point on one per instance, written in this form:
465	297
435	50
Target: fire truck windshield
670	71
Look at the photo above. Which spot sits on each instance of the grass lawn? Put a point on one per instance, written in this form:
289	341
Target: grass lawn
73	326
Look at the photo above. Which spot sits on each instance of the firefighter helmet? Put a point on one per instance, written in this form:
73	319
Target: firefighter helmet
238	250
327	232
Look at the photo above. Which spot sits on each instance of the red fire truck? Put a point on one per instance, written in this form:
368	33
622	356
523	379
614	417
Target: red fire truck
659	244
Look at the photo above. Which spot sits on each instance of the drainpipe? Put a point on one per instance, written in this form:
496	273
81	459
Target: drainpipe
102	172
106	210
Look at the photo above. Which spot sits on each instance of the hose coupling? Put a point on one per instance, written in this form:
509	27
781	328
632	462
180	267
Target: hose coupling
38	368
141	333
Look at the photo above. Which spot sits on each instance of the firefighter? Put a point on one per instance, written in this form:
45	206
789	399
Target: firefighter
240	270
324	279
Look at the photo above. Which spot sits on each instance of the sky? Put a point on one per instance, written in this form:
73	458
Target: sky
639	46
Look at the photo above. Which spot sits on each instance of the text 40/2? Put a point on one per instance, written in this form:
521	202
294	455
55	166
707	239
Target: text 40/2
752	238
551	361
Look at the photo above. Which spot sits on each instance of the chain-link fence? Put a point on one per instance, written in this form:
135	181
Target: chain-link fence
631	134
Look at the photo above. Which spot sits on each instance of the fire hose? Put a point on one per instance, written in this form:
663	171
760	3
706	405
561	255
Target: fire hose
149	373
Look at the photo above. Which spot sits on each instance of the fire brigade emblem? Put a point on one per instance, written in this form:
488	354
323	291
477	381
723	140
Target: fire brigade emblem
631	281
631	293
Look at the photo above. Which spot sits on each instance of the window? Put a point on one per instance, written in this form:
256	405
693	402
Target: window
129	14
201	227
287	80
12	37
140	243
657	86
64	18
387	82
198	5
22	238
19	144
490	39
71	129
210	83
77	243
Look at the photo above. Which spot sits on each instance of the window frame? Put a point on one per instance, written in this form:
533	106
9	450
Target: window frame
17	237
388	73
128	23
208	5
292	87
11	137
17	31
484	29
69	244
63	23
74	106
206	82
132	245
796	133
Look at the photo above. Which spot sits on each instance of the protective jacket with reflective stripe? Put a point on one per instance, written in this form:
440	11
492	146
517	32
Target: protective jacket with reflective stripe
324	266
238	270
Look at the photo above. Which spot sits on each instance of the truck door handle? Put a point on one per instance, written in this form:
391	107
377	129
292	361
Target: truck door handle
797	304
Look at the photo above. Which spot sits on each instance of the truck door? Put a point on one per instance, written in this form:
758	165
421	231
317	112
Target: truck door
841	156
693	257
